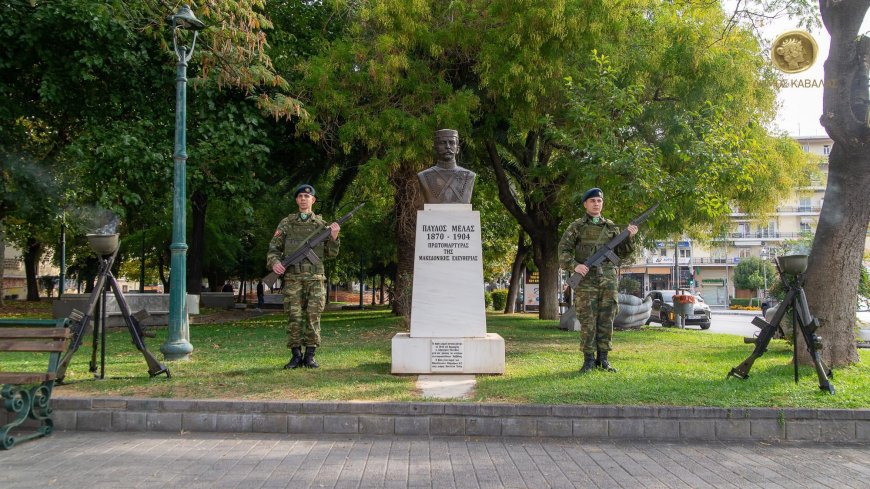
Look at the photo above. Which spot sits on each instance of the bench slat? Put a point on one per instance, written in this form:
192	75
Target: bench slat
32	346
35	333
25	377
33	322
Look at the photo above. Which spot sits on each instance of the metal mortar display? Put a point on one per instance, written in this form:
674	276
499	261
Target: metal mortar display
791	270
103	244
793	264
106	247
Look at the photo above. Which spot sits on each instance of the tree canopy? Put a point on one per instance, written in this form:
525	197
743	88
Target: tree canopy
653	101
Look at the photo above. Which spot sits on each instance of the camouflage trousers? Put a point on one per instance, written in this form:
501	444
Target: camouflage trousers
596	303
304	300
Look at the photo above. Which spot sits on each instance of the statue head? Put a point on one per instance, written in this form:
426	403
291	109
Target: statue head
447	145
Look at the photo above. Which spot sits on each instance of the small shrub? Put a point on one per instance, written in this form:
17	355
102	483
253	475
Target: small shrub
487	299
499	299
629	285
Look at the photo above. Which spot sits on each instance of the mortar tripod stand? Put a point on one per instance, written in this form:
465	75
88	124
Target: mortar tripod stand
796	301
79	320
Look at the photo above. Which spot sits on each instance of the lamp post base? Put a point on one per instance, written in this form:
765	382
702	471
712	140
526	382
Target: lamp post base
176	350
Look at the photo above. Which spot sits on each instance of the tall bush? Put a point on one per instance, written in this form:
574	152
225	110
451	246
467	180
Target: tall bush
499	299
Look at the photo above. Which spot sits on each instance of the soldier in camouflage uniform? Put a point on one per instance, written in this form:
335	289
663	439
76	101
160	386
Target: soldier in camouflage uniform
595	298
304	284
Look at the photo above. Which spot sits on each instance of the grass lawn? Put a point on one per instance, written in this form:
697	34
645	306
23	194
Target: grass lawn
657	366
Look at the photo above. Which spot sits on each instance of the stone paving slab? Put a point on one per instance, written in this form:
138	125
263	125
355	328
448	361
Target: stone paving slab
120	460
607	422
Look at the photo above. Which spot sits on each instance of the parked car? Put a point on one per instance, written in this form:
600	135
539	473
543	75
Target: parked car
663	310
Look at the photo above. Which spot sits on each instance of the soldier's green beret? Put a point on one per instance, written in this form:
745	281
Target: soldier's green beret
305	189
593	192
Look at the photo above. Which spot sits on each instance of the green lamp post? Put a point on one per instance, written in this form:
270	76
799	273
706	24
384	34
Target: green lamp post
177	345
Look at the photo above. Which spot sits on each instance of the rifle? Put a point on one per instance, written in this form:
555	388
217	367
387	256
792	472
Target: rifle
606	251
306	249
79	322
796	300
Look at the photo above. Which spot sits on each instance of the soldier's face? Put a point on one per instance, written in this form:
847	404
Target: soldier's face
305	201
593	206
446	148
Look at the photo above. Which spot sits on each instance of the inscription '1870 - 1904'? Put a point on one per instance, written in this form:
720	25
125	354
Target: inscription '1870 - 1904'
448	239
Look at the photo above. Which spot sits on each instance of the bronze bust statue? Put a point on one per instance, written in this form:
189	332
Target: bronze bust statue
446	182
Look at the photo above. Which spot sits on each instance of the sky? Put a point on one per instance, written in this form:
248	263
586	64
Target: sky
800	108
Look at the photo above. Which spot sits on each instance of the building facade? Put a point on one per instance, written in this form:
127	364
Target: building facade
709	268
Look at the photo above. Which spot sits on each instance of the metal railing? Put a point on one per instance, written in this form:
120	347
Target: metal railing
759	235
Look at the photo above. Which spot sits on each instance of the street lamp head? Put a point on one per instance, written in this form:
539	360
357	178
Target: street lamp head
184	19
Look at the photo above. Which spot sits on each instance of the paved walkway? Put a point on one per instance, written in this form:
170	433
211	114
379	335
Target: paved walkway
91	460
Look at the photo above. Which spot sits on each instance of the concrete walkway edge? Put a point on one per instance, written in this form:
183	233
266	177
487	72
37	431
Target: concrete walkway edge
463	419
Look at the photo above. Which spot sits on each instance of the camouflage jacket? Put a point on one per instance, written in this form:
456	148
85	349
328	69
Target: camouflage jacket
292	231
583	238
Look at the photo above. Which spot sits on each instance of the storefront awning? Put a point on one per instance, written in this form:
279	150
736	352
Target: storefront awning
659	270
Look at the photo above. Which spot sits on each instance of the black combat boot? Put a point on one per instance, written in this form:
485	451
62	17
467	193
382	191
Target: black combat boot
588	363
309	357
296	359
603	363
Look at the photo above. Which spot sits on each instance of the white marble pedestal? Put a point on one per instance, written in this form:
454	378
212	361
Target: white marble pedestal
448	313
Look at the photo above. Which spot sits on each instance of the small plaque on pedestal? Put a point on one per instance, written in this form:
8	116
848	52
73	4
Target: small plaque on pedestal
446	355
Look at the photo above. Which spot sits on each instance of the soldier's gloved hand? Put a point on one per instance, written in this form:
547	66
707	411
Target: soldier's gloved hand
581	269
278	268
334	229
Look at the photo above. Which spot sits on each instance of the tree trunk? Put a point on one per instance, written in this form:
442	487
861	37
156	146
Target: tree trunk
545	252
838	249
839	241
537	218
2	261
198	207
214	281
32	254
404	181
516	270
161	260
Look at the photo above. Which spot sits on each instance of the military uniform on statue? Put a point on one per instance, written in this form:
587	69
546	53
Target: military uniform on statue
448	317
446	182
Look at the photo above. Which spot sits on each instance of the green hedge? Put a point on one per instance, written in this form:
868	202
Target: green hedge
487	299
754	302
499	299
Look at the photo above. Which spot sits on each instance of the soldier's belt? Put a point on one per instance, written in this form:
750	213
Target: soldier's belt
600	270
302	268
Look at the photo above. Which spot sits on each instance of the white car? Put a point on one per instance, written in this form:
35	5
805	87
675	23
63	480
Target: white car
663	310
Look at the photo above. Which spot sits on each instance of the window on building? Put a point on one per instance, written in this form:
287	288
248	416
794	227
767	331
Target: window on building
767	231
826	149
805	228
685	253
805	205
806	148
744	252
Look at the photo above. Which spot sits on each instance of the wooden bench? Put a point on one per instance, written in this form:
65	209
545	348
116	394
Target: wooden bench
28	394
